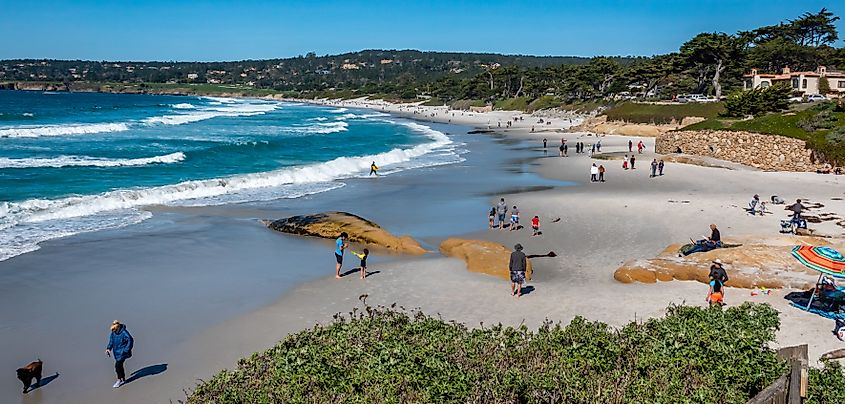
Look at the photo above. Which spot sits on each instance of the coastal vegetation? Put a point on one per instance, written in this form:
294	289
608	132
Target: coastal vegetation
693	354
662	113
821	125
709	63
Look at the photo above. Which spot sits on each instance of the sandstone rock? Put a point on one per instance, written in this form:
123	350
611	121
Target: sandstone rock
482	256
757	263
331	224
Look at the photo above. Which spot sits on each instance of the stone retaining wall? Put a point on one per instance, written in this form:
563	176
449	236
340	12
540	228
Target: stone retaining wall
767	152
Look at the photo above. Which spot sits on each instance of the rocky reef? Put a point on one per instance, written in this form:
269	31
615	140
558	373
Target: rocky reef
482	256
331	224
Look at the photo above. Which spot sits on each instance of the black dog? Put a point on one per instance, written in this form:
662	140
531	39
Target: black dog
28	372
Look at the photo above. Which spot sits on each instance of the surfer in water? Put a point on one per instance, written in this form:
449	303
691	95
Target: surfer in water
373	169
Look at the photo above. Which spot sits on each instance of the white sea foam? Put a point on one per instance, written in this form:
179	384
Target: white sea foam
361	116
229	109
319	119
321	128
339	110
29	222
86	161
182	105
61	130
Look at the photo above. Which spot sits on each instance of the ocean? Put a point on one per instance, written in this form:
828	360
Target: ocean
82	162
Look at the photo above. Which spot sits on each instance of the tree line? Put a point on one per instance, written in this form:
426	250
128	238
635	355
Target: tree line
710	63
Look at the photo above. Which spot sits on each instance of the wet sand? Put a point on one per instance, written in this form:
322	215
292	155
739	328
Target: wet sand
177	276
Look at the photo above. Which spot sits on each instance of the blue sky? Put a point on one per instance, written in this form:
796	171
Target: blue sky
234	30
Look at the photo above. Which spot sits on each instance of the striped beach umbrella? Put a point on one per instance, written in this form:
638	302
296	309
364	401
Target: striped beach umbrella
823	259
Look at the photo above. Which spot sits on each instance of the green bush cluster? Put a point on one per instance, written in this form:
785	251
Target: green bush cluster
822	120
662	113
826	385
758	100
693	355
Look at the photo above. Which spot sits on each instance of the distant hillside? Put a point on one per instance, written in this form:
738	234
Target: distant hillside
310	72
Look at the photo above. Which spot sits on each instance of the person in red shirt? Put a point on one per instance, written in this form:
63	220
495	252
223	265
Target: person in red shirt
535	224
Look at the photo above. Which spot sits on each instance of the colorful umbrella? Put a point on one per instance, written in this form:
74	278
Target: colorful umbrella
823	259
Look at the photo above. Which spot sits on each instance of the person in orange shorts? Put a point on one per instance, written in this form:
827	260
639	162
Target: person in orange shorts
715	296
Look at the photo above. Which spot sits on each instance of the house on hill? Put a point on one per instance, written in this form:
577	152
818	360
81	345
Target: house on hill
805	83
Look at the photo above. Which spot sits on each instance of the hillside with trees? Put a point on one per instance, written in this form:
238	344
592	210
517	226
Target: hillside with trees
709	63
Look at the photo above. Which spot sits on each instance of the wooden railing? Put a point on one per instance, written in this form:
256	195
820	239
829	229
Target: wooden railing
790	388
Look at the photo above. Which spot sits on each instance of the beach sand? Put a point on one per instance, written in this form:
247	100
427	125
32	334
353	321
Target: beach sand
200	314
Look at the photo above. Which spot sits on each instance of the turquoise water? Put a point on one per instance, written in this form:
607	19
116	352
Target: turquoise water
76	162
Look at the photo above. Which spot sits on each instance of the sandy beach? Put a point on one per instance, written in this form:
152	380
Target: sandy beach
201	287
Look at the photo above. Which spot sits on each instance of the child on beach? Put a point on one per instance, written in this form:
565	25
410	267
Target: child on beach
492	216
535	225
715	296
514	218
625	163
363	257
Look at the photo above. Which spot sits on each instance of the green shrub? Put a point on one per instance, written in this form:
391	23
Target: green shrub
758	100
662	113
544	102
826	385
693	355
822	120
836	137
465	104
512	104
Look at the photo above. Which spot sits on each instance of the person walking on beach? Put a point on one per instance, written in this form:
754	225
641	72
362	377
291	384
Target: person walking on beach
501	211
373	169
340	246
625	163
601	173
630	146
653	168
535	226
598	146
633	160
492	216
517	266
592	149
514	218
562	149
565	150
594	173
660	167
120	348
544	143
640	147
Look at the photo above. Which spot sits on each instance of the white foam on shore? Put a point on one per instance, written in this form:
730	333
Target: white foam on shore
33	221
339	110
182	105
86	161
61	130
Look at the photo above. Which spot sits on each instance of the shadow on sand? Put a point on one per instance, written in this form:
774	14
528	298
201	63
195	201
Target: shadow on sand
147	371
44	381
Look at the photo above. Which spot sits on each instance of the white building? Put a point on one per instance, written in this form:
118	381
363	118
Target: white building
805	83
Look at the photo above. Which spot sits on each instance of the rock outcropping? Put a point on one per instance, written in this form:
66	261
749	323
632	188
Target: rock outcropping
331	224
767	152
756	263
482	256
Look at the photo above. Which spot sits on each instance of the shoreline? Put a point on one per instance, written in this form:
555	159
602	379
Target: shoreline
603	225
195	266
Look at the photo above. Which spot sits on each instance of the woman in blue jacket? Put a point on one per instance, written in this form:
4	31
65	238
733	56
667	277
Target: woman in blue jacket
120	347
